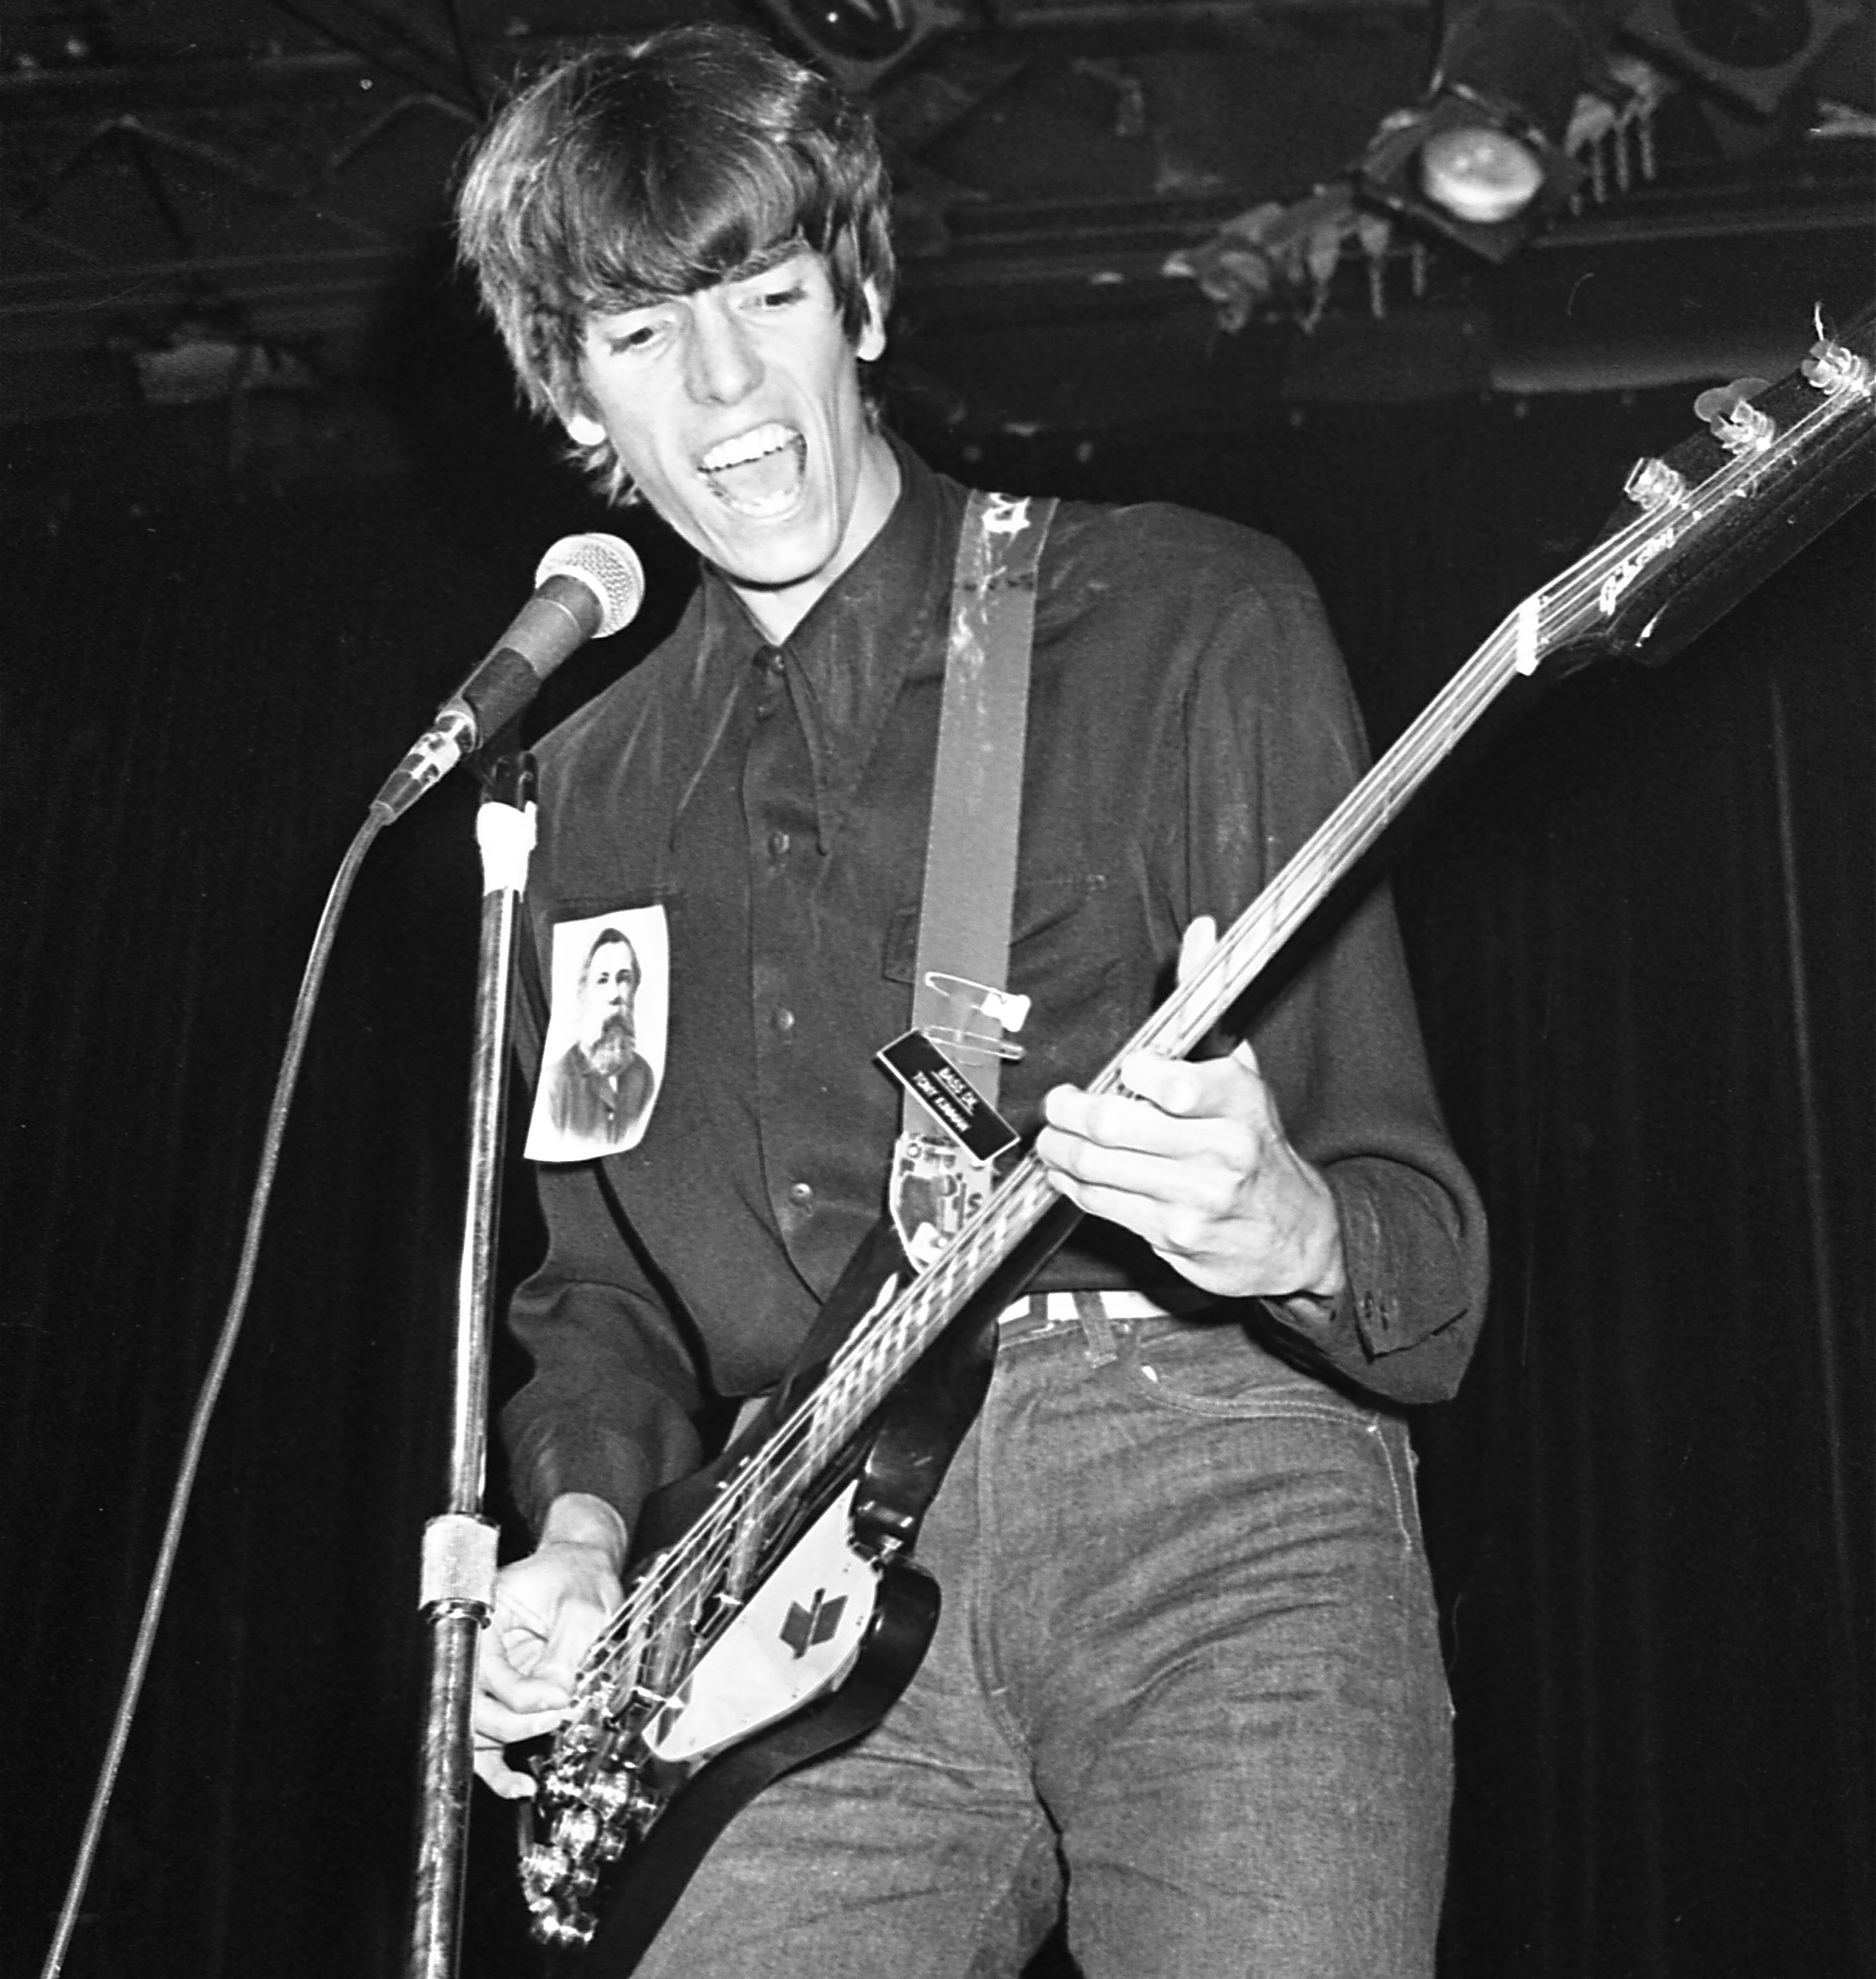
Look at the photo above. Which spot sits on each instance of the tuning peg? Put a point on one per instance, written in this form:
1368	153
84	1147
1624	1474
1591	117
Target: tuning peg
1836	367
1653	485
1738	424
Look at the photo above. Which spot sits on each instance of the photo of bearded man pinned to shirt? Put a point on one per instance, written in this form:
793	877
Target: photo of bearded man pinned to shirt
595	1094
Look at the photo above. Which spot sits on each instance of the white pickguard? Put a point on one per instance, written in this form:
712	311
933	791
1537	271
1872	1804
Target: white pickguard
798	1636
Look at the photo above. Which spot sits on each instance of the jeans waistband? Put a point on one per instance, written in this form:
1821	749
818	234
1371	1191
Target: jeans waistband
1097	1315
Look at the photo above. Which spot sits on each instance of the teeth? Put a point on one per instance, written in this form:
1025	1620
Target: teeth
746	447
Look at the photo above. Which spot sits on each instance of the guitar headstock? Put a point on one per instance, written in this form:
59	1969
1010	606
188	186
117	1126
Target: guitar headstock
1773	465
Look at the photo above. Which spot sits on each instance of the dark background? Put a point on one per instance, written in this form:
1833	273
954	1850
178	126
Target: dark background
1640	929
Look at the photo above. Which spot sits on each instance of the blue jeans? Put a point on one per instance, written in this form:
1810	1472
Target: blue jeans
1187	1676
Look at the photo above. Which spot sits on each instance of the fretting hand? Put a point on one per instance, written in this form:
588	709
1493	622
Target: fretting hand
1193	1157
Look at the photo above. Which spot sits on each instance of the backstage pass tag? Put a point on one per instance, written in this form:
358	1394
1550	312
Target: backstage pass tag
950	1098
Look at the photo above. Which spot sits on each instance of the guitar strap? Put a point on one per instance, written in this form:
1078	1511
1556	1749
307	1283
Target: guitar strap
961	999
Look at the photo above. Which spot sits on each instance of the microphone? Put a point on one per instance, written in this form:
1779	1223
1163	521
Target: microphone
587	587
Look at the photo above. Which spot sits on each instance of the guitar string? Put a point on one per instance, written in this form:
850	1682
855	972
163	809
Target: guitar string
864	1369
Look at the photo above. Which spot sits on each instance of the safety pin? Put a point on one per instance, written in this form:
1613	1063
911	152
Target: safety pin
976	1041
1004	1007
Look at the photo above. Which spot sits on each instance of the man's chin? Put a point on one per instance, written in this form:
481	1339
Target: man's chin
779	553
776	571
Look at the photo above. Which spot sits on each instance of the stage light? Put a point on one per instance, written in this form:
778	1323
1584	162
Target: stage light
860	41
1482	157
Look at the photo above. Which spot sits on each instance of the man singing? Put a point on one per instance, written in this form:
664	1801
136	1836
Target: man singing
1185	1688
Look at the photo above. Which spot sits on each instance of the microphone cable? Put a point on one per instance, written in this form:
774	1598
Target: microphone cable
183	1489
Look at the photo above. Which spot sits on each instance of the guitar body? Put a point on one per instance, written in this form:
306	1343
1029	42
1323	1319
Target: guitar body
867	1506
654	1875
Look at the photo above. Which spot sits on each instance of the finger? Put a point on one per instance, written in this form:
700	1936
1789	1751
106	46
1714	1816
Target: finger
537	1689
496	1724
1193	1090
1103	1143
493	1770
540	1689
576	1628
1078	1166
1111	1119
1223	1128
1196	945
1175	1227
1203	1179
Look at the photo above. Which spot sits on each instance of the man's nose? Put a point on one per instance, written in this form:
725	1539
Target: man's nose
724	366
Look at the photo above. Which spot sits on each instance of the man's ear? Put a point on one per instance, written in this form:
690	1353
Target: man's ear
872	344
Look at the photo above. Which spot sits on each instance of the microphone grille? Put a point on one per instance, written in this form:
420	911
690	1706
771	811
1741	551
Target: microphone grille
609	569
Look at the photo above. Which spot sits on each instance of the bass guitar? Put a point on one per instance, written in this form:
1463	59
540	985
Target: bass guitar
774	1609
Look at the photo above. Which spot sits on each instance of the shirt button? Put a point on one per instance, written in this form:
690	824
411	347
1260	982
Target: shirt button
784	1021
801	1195
778	843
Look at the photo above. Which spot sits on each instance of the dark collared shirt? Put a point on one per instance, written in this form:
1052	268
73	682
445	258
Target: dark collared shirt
1190	725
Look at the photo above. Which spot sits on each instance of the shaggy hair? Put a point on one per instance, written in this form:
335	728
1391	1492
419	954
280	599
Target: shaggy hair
637	170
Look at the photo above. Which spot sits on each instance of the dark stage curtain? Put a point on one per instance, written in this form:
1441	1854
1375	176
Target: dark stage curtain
1640	932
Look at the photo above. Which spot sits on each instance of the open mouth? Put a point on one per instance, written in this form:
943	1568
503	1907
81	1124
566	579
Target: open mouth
758	472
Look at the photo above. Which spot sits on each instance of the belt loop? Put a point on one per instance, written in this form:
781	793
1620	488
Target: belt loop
1091	1310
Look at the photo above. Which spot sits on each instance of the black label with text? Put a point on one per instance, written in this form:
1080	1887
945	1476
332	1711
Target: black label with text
932	1079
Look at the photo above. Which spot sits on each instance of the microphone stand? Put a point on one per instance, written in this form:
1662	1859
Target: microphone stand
457	1592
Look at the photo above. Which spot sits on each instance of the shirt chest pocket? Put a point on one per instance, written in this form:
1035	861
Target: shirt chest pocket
1064	954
